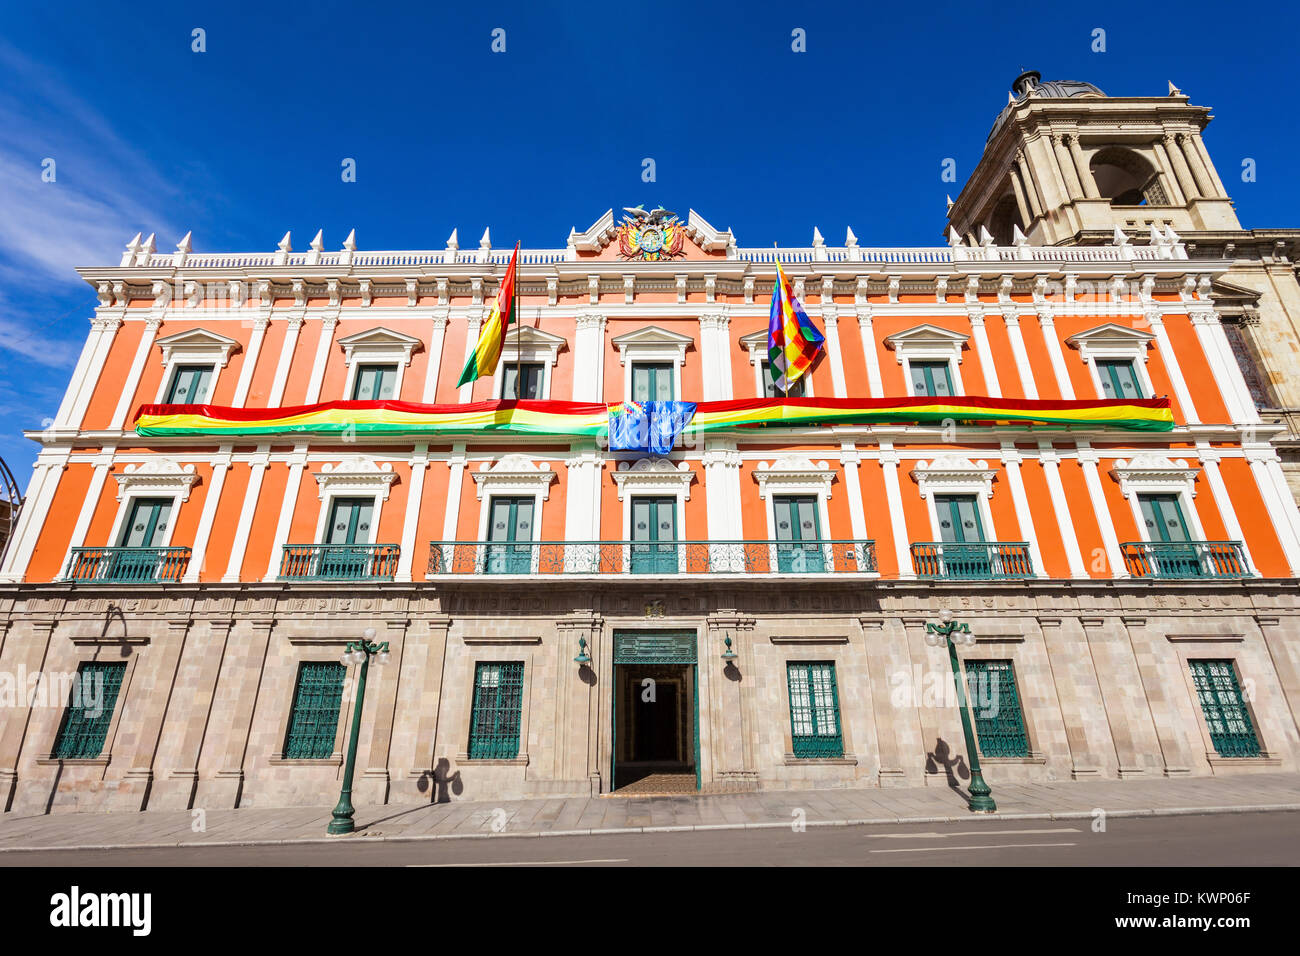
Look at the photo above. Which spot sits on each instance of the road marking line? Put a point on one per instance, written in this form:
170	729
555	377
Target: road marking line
933	834
990	846
520	863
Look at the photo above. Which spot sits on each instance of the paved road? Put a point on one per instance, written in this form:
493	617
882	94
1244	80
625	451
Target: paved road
1245	839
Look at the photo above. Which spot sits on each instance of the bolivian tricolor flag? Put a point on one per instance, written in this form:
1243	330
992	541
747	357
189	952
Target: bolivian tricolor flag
483	360
792	340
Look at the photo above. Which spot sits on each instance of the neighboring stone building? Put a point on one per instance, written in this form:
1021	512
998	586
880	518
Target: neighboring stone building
1066	164
1052	442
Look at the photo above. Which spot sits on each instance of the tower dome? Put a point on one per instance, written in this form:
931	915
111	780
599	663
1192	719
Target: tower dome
1030	83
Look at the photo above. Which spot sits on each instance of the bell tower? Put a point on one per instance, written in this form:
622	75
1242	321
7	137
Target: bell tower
1065	163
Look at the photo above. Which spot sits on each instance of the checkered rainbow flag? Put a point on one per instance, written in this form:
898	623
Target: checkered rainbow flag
792	340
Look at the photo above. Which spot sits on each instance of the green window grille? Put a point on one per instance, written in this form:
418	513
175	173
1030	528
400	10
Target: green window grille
314	720
814	710
90	710
498	700
999	723
1225	711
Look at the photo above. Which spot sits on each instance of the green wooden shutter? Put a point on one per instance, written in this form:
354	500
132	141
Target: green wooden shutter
314	717
814	710
999	723
90	711
498	701
1225	711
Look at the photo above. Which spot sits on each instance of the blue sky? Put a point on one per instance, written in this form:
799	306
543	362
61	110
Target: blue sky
245	141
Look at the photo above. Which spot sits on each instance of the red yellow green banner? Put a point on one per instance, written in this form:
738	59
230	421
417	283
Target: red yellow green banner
592	419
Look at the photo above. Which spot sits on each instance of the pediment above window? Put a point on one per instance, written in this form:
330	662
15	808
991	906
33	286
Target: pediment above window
953	474
161	476
654	476
927	341
653	342
534	344
1154	474
197	346
355	475
1111	341
794	474
513	474
378	345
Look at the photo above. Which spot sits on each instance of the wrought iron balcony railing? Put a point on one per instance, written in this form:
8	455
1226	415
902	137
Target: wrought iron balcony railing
982	561
669	557
1185	559
127	565
339	562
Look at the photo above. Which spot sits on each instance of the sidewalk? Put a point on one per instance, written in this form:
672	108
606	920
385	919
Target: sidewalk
582	816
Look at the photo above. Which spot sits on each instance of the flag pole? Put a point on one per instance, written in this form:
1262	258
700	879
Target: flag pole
519	382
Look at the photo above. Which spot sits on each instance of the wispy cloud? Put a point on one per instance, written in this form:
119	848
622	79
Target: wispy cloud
105	188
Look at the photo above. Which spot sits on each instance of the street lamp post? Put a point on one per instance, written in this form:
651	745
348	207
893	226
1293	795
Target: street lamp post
356	652
952	633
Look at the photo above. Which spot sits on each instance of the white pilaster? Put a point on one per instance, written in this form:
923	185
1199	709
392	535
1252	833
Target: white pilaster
436	338
466	392
1023	368
721	483
90	360
220	466
981	336
249	364
297	462
582	493
1170	360
317	379
132	383
1015	482
452	515
850	458
1279	503
1227	373
831	322
36	507
715	358
1088	459
897	520
256	471
411	520
589	359
868	335
1051	462
1057	355
1210	465
286	360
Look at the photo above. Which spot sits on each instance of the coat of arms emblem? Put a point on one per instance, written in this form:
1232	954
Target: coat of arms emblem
650	235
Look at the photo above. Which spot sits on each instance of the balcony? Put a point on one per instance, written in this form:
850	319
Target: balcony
754	558
127	565
1185	559
339	562
979	561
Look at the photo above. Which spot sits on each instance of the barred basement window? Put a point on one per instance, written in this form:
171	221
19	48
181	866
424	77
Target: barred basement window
494	722
999	724
1225	711
314	719
814	710
89	712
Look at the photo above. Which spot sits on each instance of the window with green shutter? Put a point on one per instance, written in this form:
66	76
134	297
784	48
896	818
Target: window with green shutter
90	710
314	719
814	710
931	378
498	700
999	723
1225	710
1118	379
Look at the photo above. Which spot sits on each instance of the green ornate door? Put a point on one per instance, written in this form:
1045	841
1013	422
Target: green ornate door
510	531
654	533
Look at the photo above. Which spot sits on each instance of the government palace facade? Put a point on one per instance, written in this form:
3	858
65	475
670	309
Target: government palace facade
747	611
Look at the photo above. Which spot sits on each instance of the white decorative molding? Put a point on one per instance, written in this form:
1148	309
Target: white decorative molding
355	475
514	474
1156	474
1116	342
377	346
158	476
794	474
194	347
953	474
651	344
654	475
929	343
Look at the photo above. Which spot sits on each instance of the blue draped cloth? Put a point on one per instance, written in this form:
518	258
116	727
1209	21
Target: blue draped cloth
649	426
